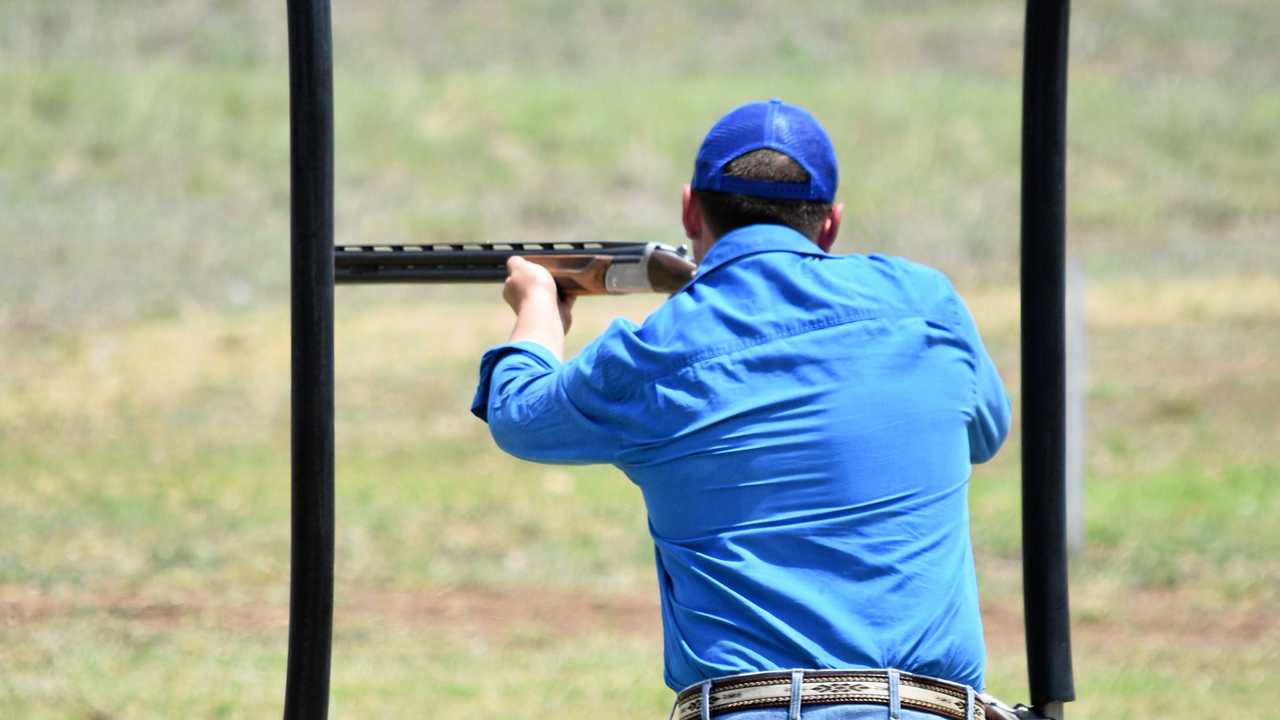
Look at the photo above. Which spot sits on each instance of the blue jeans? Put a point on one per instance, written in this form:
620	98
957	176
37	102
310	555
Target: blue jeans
834	711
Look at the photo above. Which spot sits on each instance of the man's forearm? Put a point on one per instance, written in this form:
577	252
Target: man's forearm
538	320
542	316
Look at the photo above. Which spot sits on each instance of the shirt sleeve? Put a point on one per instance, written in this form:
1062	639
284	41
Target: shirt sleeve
542	410
991	411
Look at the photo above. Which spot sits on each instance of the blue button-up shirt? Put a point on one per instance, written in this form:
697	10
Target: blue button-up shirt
801	426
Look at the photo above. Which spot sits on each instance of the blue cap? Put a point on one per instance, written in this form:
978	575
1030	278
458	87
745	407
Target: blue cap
776	125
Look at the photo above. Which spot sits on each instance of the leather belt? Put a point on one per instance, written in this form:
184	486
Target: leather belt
773	689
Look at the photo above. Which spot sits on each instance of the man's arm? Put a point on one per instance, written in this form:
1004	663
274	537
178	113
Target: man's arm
537	407
991	412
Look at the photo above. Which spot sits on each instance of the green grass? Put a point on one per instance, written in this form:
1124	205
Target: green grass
150	524
152	179
172	671
1200	526
143	280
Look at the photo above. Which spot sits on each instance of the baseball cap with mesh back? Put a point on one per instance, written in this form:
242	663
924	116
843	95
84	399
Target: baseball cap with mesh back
773	124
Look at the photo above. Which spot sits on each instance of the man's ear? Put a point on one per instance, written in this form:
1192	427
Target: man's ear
691	214
830	227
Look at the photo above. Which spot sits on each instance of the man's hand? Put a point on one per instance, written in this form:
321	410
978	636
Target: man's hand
542	314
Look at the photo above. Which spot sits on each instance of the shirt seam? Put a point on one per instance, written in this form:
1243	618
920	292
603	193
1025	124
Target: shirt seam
731	348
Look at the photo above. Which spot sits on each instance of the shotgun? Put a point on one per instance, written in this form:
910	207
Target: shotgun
580	268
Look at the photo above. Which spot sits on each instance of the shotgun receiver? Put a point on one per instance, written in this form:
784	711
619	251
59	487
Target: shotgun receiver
580	268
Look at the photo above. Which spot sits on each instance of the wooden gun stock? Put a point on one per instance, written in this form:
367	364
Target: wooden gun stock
576	274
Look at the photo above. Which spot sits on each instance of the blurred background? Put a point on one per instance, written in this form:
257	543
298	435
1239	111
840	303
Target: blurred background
144	322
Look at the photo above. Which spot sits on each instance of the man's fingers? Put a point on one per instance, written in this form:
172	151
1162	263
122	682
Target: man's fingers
524	271
566	310
526	280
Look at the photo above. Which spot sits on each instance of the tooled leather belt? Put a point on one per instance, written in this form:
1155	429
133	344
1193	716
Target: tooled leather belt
773	689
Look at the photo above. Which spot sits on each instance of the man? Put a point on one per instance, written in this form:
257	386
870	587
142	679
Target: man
801	426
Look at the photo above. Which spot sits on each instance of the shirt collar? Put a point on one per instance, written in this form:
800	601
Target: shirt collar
755	239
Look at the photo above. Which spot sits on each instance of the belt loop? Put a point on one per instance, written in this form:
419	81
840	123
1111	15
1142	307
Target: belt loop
706	700
895	696
797	683
968	703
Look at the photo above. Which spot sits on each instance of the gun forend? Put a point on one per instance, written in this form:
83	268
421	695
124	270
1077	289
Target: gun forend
582	268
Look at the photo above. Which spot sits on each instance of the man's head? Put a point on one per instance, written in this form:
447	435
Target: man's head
764	162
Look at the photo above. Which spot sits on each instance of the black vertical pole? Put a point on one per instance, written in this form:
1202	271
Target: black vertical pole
1044	540
311	266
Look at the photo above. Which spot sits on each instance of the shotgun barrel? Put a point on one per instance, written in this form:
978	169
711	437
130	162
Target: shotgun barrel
580	268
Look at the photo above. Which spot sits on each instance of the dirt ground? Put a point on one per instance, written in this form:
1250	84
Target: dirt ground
1142	618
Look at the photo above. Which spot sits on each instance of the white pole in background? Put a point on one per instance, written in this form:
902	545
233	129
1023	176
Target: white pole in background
1077	393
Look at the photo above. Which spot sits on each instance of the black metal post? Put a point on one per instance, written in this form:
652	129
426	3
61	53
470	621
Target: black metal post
1044	542
311	267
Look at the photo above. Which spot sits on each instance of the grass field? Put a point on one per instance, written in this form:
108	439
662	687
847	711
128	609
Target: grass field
143	313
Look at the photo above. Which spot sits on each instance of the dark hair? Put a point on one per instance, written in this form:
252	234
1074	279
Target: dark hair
726	212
